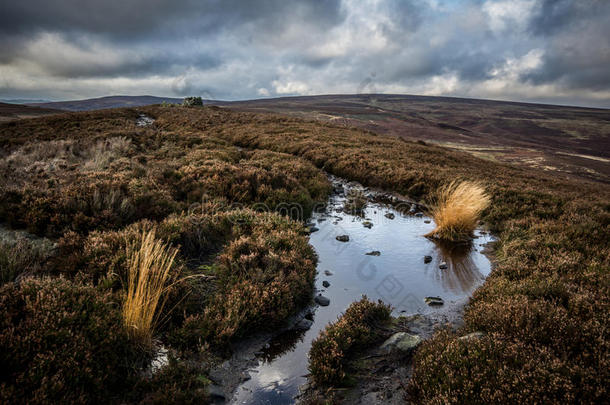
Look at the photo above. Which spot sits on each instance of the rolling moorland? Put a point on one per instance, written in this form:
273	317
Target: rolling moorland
10	112
86	186
570	140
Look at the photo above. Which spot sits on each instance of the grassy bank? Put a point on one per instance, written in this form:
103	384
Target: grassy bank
546	306
95	181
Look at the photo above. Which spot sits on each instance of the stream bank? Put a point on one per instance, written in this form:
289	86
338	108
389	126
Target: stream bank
365	247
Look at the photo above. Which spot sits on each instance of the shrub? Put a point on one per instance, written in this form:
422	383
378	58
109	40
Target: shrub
356	328
456	210
179	382
149	264
263	274
61	342
21	257
489	370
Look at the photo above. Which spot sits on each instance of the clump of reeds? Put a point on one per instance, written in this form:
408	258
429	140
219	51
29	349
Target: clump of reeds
149	265
456	209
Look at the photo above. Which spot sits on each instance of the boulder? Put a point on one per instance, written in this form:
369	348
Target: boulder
401	342
322	300
303	324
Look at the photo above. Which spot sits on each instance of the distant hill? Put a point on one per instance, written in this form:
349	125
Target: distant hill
107	102
572	140
10	112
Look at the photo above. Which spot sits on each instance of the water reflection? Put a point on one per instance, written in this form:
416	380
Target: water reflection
461	273
282	343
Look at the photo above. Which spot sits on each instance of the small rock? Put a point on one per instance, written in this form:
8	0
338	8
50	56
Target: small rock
343	238
325	284
473	335
321	220
313	229
427	221
427	259
401	342
303	324
390	215
367	224
433	301
328	272
322	300
419	214
216	391
442	266
374	253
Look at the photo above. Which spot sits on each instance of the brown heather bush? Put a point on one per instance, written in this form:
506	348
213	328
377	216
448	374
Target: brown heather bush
62	343
178	382
21	257
86	181
490	370
456	209
355	329
549	229
552	253
262	276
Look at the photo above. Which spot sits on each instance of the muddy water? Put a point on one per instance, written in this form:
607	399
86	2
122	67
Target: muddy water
398	276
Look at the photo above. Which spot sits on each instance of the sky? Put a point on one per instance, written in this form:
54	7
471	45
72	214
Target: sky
550	51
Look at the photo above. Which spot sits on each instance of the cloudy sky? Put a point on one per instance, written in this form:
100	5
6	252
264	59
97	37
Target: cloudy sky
555	51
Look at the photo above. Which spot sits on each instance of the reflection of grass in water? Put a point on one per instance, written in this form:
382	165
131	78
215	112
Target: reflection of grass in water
462	272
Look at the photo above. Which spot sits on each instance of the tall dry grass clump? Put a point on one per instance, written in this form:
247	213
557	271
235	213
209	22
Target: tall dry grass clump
456	209
149	265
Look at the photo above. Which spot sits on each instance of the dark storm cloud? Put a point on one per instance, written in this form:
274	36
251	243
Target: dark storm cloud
555	15
236	49
578	43
126	19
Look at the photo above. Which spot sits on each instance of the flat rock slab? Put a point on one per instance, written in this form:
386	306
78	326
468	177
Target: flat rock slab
434	301
402	342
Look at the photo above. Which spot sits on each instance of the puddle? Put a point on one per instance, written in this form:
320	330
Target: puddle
398	275
144	120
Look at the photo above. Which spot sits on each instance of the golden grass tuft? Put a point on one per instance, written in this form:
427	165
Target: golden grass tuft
149	265
456	209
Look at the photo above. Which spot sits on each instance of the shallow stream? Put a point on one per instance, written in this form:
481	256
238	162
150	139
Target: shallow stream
399	276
